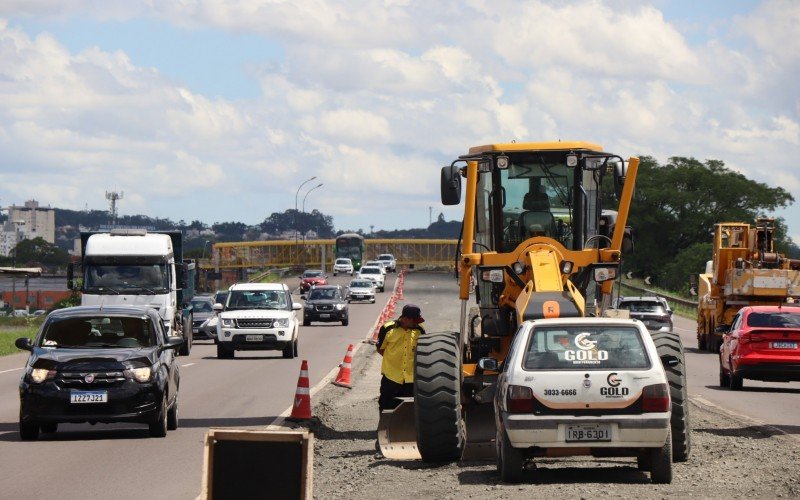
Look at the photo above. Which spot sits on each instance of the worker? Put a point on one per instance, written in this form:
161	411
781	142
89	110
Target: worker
397	343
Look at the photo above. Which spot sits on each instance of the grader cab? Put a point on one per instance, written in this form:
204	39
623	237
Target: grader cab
537	242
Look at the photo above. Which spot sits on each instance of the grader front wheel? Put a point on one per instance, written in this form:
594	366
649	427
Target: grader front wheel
441	433
670	343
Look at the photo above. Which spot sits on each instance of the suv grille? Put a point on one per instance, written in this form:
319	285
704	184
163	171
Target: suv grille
254	323
325	307
101	379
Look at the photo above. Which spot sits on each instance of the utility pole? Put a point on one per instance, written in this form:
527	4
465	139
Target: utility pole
430	216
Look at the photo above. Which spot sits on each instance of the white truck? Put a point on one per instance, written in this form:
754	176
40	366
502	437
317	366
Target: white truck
136	267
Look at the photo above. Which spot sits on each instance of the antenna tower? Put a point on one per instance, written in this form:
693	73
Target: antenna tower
113	196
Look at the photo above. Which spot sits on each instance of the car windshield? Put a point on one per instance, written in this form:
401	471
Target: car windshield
642	306
385	257
258	299
343	262
312	274
585	348
370	270
322	294
202	305
99	332
774	320
360	284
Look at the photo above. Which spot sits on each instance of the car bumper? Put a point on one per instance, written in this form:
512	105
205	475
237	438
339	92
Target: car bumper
255	340
130	402
627	431
362	296
325	316
769	371
347	270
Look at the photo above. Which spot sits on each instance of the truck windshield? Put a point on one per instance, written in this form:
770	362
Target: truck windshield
111	278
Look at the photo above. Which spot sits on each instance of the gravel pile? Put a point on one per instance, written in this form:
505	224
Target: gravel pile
731	457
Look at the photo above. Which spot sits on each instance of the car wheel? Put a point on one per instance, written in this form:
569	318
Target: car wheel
289	352
643	462
372	301
223	352
724	378
186	348
28	431
382	289
158	427
334	274
661	462
736	381
345	321
49	427
306	322
509	460
172	416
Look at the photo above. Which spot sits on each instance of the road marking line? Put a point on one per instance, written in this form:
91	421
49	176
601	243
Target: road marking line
187	364
11	370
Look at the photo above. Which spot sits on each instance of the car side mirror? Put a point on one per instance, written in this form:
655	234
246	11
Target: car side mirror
296	306
668	360
218	307
173	342
488	364
24	343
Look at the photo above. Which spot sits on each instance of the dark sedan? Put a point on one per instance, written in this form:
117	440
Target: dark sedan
326	303
99	364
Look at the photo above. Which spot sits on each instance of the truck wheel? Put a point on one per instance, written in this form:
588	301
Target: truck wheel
661	462
441	432
670	343
186	328
509	459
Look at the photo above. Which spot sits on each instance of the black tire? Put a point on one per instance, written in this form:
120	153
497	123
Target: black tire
441	432
702	341
223	352
306	322
345	321
290	351
661	462
670	343
736	381
509	459
28	431
724	378
158	427
49	427
186	329
383	288
172	416
643	462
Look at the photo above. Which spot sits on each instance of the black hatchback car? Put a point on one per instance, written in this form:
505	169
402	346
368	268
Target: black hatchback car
99	364
326	303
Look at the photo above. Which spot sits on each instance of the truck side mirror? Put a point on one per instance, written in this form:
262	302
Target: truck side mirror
451	185
620	171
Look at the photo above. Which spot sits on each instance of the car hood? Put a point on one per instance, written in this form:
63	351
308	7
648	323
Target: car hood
256	313
324	302
93	359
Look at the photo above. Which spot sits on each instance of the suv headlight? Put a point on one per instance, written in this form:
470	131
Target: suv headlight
141	374
39	375
281	323
339	307
227	322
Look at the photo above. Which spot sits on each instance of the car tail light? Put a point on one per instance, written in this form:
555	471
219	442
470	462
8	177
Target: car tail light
655	398
519	399
744	338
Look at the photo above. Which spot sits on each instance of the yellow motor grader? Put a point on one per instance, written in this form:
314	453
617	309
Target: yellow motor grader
536	243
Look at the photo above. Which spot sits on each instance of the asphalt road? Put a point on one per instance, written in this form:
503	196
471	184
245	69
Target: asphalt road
122	461
250	391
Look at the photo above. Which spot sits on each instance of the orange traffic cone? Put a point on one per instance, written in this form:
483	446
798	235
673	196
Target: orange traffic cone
301	409
343	379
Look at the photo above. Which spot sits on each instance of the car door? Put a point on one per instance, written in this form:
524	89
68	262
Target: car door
730	341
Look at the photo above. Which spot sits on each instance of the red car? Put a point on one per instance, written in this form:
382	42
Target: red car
312	277
762	344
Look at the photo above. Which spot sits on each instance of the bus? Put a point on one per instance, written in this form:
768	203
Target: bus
351	246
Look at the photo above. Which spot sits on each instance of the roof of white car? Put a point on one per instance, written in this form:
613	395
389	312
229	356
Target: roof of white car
590	321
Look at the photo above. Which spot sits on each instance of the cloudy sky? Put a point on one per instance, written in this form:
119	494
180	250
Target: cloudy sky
218	110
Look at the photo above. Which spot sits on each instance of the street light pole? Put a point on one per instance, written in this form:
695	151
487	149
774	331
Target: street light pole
294	219
304	202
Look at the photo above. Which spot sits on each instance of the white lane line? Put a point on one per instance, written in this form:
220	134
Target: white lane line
12	370
187	364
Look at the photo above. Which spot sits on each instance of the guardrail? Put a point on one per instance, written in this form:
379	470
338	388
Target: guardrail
670	298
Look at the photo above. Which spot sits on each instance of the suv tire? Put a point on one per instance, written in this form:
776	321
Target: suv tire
28	431
223	352
158	427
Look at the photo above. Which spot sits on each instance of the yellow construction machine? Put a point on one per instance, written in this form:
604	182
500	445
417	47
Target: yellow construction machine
536	243
745	271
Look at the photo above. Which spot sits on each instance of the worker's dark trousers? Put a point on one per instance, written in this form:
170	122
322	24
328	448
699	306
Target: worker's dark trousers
391	391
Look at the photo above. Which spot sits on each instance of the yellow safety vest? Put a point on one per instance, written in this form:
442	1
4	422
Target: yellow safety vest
398	347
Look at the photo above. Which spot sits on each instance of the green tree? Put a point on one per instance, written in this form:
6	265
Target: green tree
676	206
38	251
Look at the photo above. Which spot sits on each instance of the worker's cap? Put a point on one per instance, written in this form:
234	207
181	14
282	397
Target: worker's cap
412	312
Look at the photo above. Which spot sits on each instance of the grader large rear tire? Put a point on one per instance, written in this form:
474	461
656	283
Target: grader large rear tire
670	343
441	431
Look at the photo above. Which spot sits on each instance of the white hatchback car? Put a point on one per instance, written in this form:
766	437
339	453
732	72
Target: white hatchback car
583	386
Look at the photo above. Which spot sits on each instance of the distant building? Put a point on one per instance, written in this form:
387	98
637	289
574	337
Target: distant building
26	223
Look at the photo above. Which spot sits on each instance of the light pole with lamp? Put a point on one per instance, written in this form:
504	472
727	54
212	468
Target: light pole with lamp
294	221
304	212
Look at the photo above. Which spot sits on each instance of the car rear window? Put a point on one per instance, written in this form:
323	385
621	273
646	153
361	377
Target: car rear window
642	307
361	284
582	348
774	320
